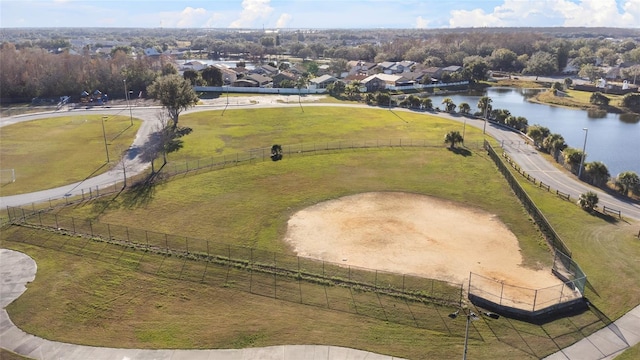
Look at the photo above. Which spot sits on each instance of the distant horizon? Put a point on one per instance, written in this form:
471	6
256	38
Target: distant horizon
319	15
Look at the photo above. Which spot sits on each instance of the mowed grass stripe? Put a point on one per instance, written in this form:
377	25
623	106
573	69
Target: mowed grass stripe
58	151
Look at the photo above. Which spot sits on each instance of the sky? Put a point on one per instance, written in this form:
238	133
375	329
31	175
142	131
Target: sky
319	14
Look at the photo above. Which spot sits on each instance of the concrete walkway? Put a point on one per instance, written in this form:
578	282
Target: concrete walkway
18	269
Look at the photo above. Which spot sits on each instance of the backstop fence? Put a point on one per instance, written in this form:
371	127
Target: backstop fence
525	302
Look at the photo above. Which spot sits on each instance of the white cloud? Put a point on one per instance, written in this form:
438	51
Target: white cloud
422	23
474	18
283	21
588	13
252	10
190	17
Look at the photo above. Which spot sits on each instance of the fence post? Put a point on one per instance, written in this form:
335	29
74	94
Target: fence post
127	229
166	242
535	297
275	276
186	243
501	292
39	218
56	217
73	225
91	227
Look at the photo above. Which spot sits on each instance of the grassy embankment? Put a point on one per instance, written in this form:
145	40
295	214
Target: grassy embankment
102	299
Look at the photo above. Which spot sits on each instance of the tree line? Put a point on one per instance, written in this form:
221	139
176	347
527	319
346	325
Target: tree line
33	66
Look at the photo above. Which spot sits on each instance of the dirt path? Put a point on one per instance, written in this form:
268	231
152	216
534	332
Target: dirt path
414	234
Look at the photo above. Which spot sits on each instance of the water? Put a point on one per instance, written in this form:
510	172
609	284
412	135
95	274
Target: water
611	138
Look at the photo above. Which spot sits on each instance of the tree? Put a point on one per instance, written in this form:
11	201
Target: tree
464	108
597	173
632	101
573	157
590	72
597	98
212	76
588	201
427	103
166	139
191	75
567	83
500	115
553	144
503	59
628	181
517	122
484	104
335	89
538	134
541	63
449	105
453	137
174	93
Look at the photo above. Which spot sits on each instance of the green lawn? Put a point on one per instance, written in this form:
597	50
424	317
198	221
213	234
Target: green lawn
58	151
112	296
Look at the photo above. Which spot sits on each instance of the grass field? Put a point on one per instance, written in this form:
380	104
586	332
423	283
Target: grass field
99	295
62	150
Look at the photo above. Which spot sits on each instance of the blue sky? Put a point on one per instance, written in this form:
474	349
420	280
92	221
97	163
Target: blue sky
304	14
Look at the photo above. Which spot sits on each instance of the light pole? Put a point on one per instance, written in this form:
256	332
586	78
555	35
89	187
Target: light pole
104	136
584	148
464	127
486	109
126	96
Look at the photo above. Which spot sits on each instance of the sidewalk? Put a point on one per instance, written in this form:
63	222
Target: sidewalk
18	269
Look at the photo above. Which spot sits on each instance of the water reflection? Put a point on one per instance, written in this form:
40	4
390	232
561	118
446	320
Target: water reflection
597	113
630	118
614	139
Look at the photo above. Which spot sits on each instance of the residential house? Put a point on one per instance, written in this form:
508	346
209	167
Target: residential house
266	70
283	76
228	75
151	52
374	82
386	67
322	82
434	73
193	65
360	67
451	69
261	80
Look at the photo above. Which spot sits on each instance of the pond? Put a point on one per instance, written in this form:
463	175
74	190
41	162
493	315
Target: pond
613	139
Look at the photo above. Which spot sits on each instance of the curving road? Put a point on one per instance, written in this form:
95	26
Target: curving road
513	143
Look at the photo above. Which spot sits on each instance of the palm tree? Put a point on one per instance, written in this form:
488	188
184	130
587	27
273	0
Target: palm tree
588	201
453	137
449	105
538	134
464	108
598	173
427	103
484	104
554	143
629	181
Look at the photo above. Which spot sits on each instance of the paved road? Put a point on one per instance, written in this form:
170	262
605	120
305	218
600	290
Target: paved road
513	144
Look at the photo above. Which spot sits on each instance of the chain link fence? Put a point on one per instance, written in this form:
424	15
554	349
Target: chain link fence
282	276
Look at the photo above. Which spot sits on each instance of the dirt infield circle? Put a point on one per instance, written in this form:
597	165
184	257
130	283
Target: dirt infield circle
413	234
